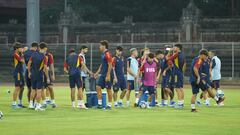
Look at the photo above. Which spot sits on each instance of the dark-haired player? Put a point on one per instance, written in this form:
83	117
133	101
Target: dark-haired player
49	85
72	66
83	52
179	67
105	69
27	55
37	67
149	67
166	72
197	82
18	61
119	81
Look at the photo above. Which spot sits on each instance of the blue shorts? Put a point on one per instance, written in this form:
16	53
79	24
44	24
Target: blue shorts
74	80
151	89
18	79
203	85
28	80
172	82
121	84
131	84
215	84
37	81
166	82
178	79
103	84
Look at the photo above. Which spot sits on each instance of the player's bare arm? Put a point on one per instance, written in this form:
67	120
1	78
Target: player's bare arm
129	70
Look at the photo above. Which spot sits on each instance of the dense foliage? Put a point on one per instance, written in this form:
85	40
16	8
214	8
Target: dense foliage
142	10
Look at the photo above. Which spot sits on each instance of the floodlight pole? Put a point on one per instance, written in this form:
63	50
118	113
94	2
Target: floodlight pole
65	32
33	21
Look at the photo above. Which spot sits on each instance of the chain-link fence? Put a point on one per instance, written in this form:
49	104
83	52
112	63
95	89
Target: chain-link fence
228	52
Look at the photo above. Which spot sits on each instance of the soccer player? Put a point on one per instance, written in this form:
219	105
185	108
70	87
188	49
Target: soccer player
215	69
72	66
37	67
159	55
197	82
48	85
205	74
104	80
179	68
119	81
27	54
166	72
83	52
132	73
149	67
24	71
144	56
18	62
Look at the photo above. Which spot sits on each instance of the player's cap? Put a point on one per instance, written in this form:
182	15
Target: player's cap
203	52
167	47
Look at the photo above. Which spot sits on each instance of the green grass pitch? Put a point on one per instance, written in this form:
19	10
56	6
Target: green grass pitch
124	121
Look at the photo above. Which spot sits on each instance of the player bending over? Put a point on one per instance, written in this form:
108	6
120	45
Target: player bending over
149	67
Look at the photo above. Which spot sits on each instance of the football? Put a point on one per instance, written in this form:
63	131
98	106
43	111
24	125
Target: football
1	115
143	105
220	93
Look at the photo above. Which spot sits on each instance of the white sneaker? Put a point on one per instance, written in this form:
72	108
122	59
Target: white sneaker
31	106
39	109
221	104
82	107
148	106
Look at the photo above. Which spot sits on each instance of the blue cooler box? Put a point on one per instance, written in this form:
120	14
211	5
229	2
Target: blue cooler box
92	100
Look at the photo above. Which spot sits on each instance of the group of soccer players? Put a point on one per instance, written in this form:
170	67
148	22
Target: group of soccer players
35	66
143	75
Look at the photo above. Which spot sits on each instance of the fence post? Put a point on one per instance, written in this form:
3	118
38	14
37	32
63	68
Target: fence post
179	37
91	57
202	45
132	36
232	60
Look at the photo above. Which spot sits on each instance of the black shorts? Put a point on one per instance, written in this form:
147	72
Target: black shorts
203	85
